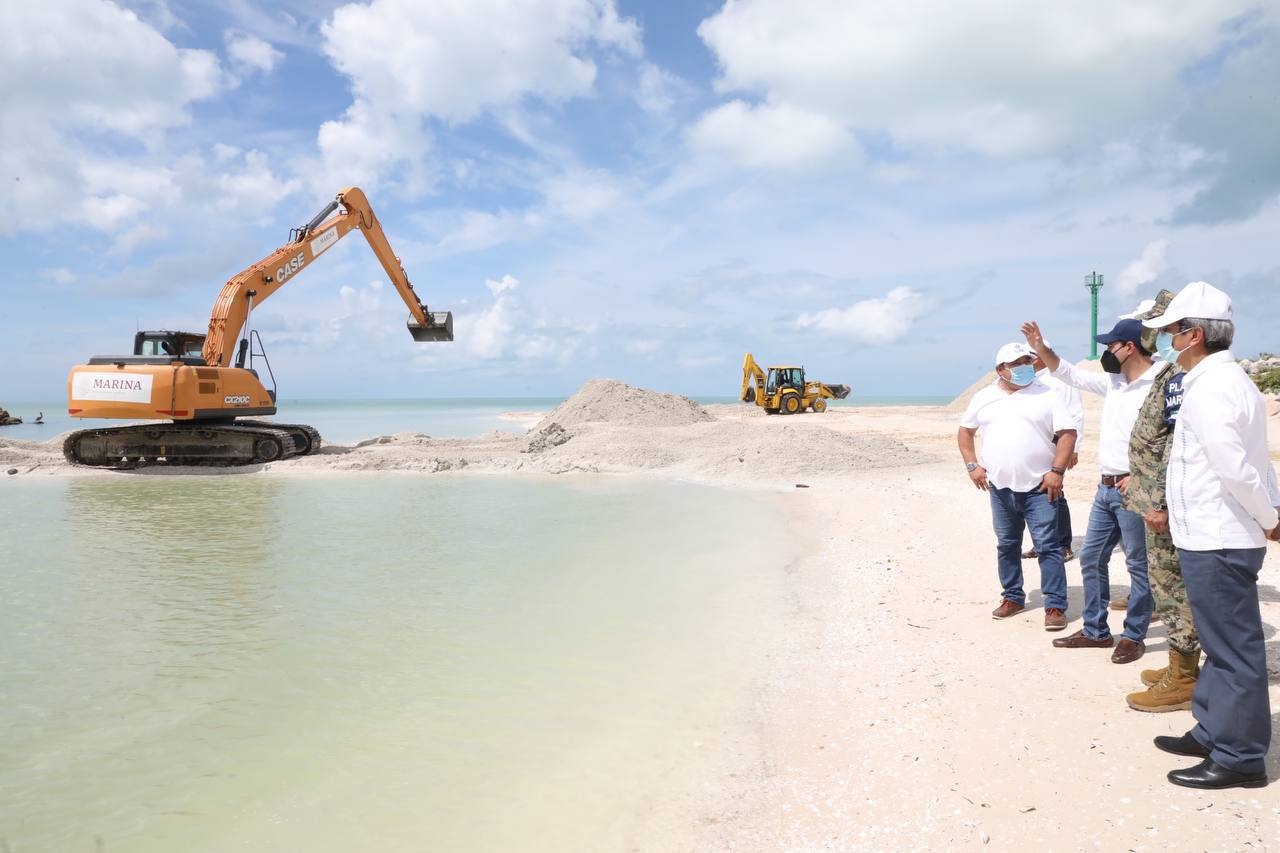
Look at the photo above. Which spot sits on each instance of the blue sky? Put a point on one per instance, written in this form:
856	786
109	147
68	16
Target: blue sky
881	191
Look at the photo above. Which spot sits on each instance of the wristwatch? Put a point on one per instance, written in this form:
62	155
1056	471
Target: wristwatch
970	466
1058	470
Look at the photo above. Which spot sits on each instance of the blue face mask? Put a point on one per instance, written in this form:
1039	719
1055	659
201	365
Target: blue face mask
1164	346
1022	375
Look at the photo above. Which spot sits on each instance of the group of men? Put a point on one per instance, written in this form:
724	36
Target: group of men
1186	487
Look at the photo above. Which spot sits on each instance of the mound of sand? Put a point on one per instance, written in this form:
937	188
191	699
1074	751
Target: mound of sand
606	427
23	457
607	401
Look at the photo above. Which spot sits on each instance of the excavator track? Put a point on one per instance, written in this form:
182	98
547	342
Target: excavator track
186	443
307	438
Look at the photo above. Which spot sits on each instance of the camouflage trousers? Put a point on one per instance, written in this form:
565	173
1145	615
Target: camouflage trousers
1170	592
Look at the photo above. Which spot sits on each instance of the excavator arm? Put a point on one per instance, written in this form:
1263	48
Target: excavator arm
251	287
752	380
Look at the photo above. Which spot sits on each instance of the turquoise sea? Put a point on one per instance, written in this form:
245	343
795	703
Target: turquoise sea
349	421
387	663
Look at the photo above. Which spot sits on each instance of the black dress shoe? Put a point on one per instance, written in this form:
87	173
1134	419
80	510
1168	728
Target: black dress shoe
1185	745
1206	774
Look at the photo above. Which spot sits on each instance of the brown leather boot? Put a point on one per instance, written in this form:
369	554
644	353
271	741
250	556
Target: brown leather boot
1152	677
1173	692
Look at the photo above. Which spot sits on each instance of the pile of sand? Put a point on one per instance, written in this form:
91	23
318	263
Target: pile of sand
607	427
23	457
608	401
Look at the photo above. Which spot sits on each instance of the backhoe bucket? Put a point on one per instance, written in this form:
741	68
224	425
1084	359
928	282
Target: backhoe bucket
841	391
440	329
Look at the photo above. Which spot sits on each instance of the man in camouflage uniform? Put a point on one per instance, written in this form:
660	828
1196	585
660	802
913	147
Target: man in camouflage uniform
1169	689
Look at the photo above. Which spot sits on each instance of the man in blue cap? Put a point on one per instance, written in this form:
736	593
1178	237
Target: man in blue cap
1125	385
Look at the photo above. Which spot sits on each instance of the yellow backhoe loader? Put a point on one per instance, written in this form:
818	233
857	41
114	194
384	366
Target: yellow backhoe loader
197	389
784	389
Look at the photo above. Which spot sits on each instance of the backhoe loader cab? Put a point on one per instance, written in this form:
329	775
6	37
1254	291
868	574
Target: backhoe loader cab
784	389
785	377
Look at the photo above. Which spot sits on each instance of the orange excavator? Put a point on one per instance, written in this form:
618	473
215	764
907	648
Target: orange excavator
186	384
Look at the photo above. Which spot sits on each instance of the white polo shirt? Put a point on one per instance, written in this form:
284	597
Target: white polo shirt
1221	485
1070	398
1120	409
1017	430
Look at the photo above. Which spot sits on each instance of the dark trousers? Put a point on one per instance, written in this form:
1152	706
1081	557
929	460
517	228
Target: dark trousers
1231	705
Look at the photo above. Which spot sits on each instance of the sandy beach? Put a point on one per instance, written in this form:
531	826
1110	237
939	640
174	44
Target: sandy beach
892	713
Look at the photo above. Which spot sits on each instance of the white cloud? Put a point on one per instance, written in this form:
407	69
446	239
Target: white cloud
364	144
410	62
582	195
59	275
479	230
773	136
250	53
72	72
658	89
506	284
871	321
507	330
1000	77
252	188
1145	269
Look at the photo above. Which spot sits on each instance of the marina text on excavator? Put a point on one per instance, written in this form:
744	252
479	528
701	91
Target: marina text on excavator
195	390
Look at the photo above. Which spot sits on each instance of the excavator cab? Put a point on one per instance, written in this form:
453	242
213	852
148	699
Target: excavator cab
178	345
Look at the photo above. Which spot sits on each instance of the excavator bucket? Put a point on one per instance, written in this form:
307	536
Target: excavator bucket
841	391
440	328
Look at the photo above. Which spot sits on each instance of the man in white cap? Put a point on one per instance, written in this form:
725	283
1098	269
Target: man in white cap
1129	373
1223	499
1021	469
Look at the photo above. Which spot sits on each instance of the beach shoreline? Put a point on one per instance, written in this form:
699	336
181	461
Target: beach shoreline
892	712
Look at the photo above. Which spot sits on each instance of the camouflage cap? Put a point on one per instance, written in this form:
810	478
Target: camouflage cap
1163	298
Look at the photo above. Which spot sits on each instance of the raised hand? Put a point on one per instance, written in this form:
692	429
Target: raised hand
1031	331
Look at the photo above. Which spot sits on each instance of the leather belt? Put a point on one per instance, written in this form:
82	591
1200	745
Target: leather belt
1113	479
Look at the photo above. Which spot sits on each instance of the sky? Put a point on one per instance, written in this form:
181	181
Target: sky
635	189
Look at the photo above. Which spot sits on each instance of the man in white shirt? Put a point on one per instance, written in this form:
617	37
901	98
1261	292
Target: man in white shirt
1021	469
1125	384
1071	397
1223	498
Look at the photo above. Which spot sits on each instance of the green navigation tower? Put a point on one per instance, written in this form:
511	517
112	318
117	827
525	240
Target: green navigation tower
1093	281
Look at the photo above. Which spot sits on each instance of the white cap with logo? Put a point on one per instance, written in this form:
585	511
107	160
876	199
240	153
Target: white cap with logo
1199	300
1010	353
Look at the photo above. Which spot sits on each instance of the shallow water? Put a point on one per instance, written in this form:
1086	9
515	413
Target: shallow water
339	421
349	421
389	663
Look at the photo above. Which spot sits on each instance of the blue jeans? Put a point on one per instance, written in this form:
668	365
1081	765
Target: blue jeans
1011	512
1064	521
1110	523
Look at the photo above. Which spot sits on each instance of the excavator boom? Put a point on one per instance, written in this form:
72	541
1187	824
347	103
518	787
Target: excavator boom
190	381
252	286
